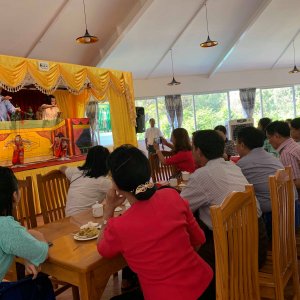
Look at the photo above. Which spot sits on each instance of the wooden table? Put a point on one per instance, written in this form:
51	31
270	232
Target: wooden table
78	262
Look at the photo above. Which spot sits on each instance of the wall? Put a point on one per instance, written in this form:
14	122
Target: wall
218	82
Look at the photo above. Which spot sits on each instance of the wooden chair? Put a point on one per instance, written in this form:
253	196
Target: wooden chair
235	230
281	265
159	171
25	211
53	189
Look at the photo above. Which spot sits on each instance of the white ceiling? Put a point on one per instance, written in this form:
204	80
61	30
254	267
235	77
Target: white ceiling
136	35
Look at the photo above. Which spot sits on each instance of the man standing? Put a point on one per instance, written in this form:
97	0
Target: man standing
257	164
6	107
278	133
210	184
151	136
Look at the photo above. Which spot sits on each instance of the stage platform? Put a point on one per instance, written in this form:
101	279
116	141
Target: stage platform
43	167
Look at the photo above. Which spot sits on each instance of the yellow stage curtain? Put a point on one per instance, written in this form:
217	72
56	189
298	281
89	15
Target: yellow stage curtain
111	85
72	106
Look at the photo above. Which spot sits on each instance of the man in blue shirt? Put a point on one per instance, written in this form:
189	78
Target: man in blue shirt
6	106
257	164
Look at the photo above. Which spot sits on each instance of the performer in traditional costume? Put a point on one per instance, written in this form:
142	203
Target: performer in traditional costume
18	153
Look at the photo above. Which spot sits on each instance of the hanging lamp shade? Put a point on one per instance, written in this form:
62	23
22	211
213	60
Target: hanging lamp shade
86	38
173	81
295	69
208	43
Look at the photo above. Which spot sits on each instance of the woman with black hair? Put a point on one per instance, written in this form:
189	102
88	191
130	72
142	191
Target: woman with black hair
182	148
88	183
158	235
229	149
15	240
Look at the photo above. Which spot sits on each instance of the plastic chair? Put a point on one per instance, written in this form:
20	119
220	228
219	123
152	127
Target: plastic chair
235	229
53	189
281	265
159	171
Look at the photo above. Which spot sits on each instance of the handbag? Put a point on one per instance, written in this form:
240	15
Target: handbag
28	289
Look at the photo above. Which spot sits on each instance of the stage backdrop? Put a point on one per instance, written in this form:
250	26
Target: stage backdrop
82	82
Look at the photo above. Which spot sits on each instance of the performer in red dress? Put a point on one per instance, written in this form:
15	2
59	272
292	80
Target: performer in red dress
18	153
56	146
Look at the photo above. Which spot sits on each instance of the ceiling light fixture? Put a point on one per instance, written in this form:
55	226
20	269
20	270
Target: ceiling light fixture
208	43
295	69
86	38
173	82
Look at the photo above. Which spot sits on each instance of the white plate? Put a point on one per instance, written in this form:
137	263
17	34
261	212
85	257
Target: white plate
81	238
118	209
90	224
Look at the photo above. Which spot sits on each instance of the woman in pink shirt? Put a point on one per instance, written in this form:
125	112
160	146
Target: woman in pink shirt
182	149
158	235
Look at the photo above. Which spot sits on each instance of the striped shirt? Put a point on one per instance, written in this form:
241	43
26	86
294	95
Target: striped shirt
211	184
289	152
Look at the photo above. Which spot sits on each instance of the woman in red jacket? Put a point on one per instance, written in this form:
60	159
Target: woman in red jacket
182	149
158	235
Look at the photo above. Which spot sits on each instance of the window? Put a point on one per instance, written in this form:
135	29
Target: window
164	123
104	122
278	103
297	100
188	121
211	110
236	108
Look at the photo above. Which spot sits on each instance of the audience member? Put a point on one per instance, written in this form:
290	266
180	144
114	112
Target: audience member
152	134
181	145
278	133
262	125
229	149
257	165
15	240
88	183
210	185
295	129
147	232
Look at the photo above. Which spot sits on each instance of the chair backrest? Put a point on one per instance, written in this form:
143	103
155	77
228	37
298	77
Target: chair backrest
53	189
283	224
235	228
159	171
25	211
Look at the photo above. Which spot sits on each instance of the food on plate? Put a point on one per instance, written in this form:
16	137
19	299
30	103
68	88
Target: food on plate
88	232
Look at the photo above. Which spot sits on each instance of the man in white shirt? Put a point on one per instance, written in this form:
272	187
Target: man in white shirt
152	135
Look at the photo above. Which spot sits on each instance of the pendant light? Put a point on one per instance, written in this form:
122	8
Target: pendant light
208	43
86	38
295	69
173	82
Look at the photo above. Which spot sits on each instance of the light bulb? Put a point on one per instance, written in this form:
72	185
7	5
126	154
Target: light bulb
87	39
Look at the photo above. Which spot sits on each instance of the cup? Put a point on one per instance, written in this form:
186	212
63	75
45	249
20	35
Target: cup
97	210
173	182
185	175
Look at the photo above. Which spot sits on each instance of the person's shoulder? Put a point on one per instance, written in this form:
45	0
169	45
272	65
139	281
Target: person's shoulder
8	223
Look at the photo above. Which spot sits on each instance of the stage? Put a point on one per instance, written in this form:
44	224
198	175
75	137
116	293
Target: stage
43	167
